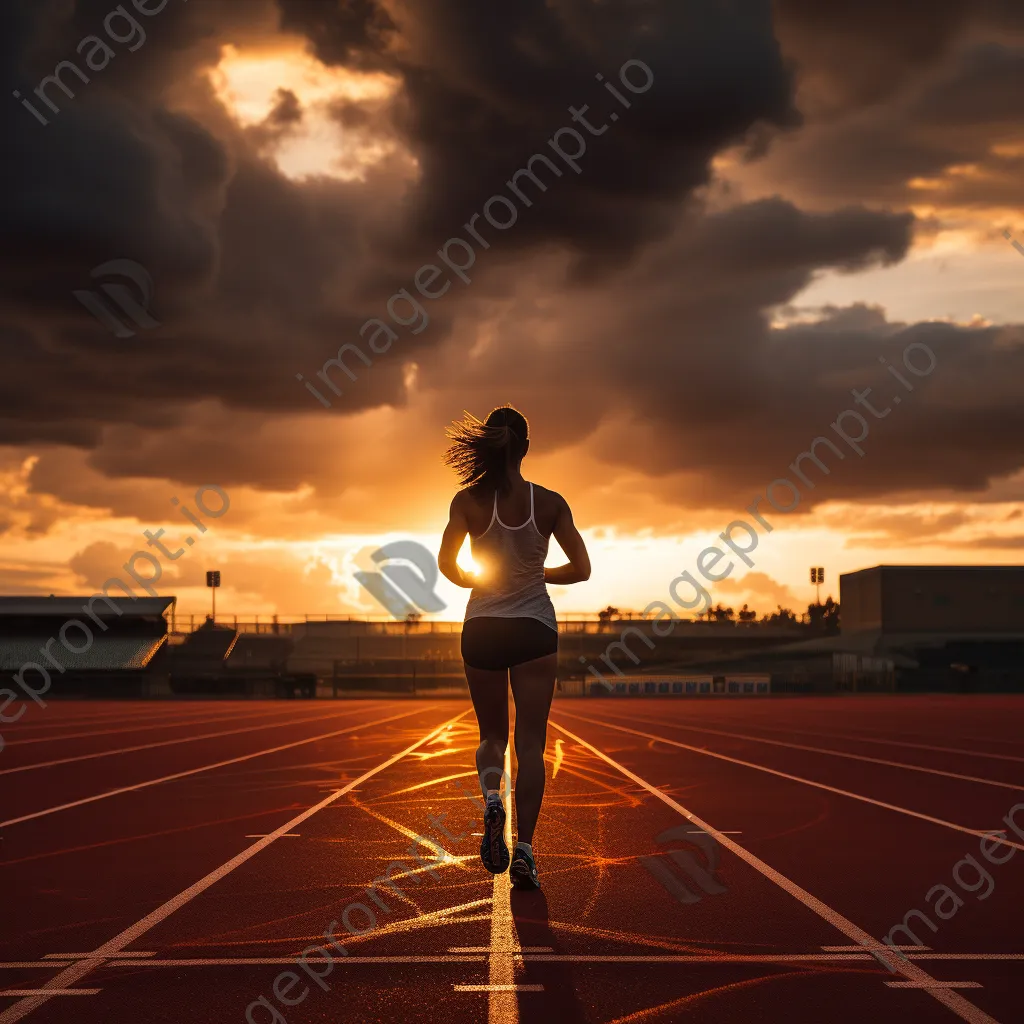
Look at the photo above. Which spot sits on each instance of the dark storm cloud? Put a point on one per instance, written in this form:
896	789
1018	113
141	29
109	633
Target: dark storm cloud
713	403
953	120
350	32
485	85
898	92
657	318
860	51
256	275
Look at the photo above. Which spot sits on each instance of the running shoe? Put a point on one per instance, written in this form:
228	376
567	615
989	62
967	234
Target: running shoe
524	870
493	851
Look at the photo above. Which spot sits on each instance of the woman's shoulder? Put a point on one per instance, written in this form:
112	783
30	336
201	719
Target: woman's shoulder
547	500
542	493
471	498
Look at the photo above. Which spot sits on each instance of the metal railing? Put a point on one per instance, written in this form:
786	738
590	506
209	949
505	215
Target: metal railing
577	623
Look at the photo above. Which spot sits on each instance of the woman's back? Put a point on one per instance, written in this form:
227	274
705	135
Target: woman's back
511	554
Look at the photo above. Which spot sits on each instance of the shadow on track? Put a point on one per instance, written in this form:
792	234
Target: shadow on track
559	1003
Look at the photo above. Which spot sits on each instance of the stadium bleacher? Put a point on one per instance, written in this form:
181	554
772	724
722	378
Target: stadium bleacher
106	647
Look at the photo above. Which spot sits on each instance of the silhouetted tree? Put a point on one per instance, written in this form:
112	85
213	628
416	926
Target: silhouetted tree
780	617
721	614
606	615
748	614
832	616
824	618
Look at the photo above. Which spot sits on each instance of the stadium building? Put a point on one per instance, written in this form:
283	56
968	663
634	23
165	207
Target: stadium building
910	628
943	627
108	647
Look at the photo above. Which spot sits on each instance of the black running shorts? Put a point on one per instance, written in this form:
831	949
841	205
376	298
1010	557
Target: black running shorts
494	643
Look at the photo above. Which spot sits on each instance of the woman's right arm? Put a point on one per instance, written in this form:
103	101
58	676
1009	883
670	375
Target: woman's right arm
578	568
451	544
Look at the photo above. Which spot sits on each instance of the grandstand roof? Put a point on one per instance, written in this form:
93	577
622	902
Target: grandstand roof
71	607
105	653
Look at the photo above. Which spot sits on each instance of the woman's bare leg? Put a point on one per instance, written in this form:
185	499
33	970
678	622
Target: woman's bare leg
533	685
489	691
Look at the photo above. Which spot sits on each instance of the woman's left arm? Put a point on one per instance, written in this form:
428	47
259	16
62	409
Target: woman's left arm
451	544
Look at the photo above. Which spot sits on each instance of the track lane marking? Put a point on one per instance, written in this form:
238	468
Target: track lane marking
895	743
115	946
933	984
977	833
882	948
142	713
487	949
832	753
202	768
499	988
170	743
479	954
85	956
502	1005
178	723
51	992
951	1000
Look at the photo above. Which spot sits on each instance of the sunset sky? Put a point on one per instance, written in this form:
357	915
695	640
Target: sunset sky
805	189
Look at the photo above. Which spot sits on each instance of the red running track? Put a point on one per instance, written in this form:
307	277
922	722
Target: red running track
710	860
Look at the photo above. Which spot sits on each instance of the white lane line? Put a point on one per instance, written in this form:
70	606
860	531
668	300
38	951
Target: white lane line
833	753
51	992
500	988
751	958
951	1000
487	949
455	957
287	835
115	946
144	712
202	768
977	833
895	743
933	984
85	956
177	723
170	743
882	947
270	961
502	1005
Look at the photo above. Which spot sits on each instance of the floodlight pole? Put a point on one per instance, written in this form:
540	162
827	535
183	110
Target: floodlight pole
817	578
213	582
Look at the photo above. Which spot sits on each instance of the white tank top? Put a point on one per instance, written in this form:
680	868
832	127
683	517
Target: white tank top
513	559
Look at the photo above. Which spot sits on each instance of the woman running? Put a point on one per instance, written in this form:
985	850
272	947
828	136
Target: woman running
510	633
